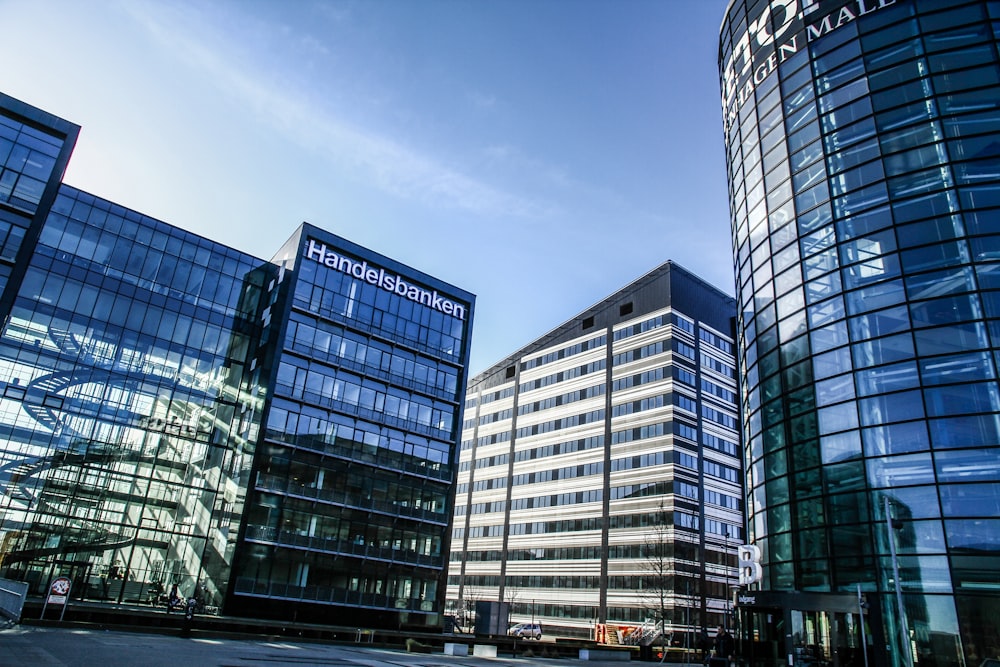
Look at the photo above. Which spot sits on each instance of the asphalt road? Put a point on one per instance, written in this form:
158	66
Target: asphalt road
33	646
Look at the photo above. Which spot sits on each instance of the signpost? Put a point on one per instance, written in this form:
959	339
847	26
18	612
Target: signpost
58	594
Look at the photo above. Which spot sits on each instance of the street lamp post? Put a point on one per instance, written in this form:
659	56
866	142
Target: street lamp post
725	564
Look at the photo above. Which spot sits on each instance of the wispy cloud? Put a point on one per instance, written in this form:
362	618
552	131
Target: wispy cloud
482	100
184	32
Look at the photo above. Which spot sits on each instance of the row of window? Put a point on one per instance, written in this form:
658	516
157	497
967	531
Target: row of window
558	424
488	484
680	519
653	403
326	386
711	497
497	395
116	220
489	418
655	375
674	584
329	342
656	322
310	478
719	444
550	581
686	431
663	457
718	391
556	449
482	508
160	271
325	579
652	349
541	527
956	313
719	366
715	340
485	462
561	526
563	399
713	469
116	306
369	308
568	351
502	436
340	435
678	550
969	393
644	432
562	376
725	530
140	357
569	472
719	417
646	490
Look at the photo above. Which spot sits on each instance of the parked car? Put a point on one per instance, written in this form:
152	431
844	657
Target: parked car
526	631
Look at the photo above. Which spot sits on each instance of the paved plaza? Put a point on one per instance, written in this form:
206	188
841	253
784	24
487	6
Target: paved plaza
36	646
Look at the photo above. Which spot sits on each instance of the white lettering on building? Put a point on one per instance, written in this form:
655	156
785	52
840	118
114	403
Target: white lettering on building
748	560
390	282
782	27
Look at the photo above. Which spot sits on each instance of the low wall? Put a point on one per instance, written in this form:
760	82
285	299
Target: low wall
12	594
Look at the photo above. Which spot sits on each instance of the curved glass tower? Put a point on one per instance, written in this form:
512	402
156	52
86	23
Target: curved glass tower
863	145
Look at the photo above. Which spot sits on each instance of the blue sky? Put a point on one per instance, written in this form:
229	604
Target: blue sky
538	153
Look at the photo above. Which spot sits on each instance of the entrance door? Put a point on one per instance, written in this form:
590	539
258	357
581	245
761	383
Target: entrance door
796	629
761	638
826	639
810	633
848	640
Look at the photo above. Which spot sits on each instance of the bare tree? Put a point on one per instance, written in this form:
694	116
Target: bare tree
658	577
467	606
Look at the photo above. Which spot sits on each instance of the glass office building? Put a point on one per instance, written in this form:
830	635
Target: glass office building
863	145
599	487
277	437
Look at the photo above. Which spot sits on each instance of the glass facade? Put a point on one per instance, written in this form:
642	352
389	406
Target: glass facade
599	488
277	438
124	363
353	486
863	145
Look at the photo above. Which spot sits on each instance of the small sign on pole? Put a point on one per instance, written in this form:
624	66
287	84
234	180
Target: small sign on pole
58	594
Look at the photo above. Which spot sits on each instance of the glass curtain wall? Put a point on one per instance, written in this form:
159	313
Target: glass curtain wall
124	410
863	144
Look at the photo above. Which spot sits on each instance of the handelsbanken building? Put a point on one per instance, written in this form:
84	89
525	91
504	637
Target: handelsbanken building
276	436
